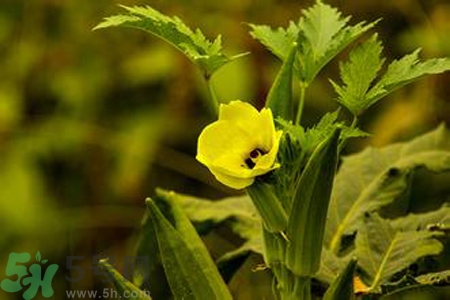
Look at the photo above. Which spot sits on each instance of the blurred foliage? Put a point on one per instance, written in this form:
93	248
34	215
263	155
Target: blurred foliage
92	122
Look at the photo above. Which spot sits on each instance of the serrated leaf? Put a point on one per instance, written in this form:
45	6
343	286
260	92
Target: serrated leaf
321	34
190	270
357	75
406	70
278	41
382	251
375	177
360	91
123	286
206	54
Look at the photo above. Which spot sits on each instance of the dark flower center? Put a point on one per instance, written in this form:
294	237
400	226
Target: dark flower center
253	157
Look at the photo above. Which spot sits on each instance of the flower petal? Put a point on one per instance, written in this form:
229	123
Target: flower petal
222	138
230	181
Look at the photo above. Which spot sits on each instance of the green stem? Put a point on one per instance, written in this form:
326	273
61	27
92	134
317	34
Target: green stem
354	122
301	103
212	101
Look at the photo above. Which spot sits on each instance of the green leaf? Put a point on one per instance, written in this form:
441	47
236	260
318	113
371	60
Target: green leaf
438	278
374	178
306	224
204	53
331	266
406	70
359	91
238	213
342	286
190	271
440	217
122	285
357	75
279	99
279	41
382	251
323	33
38	256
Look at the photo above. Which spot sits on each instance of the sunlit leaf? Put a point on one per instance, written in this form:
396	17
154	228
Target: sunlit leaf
357	75
206	54
375	177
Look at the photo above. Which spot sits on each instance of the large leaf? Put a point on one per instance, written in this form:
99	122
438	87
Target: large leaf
383	251
330	266
374	178
440	218
206	54
321	34
237	212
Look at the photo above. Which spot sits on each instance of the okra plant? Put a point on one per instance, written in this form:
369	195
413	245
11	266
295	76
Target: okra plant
326	226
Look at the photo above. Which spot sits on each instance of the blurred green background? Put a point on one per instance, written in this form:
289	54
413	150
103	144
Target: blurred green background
91	122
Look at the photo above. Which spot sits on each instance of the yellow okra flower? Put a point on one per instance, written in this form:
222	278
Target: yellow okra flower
241	145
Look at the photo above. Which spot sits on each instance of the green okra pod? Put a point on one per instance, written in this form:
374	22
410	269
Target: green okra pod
306	223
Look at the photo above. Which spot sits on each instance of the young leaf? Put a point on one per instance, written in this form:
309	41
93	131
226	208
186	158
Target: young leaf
382	251
122	285
376	177
406	70
206	54
190	270
321	33
358	73
342	287
279	99
307	217
38	256
279	41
